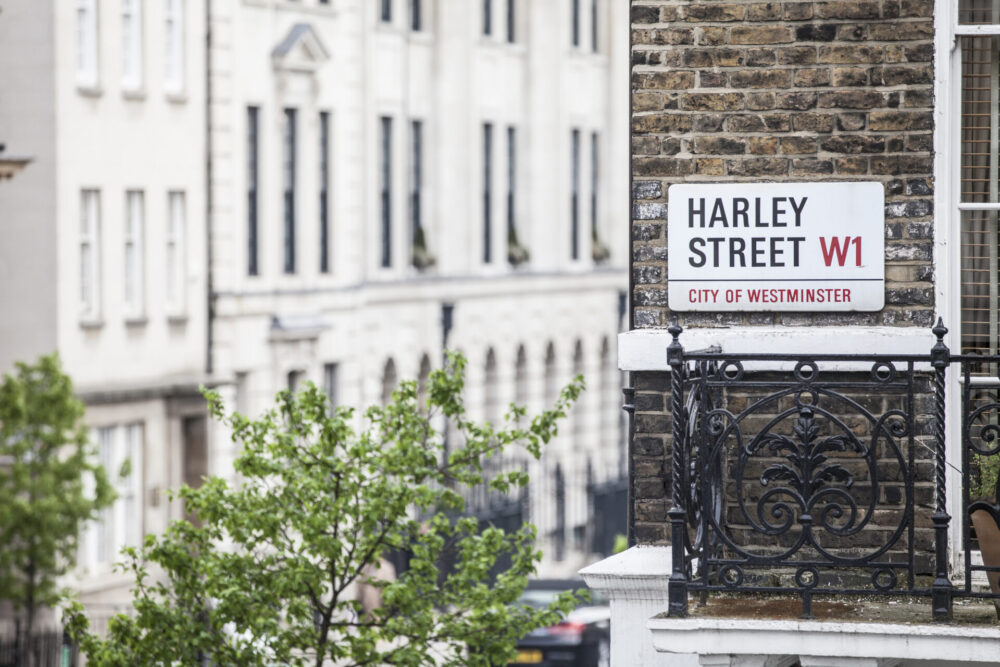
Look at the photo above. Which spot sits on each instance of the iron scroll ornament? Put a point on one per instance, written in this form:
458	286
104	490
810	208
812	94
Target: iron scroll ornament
807	485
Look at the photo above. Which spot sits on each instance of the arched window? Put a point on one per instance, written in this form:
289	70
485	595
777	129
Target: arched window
559	533
521	377
579	427
491	404
422	379
550	375
607	396
388	381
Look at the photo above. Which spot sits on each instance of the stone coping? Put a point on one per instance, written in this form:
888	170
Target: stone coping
646	349
898	641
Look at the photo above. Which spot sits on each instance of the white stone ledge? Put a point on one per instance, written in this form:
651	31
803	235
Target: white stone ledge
646	349
875	641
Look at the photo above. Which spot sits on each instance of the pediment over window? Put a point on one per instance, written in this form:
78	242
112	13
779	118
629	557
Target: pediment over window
300	50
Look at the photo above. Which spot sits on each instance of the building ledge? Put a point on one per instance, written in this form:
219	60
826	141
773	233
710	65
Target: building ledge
646	349
731	641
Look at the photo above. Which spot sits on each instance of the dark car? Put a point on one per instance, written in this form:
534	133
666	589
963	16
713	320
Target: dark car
582	639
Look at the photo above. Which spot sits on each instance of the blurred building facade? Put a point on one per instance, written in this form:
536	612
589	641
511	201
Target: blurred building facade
392	178
250	194
103	240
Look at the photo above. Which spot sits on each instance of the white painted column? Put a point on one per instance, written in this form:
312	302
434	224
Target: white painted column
636	583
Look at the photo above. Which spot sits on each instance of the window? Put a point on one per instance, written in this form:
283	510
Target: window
593	26
487	192
389	381
487	17
559	533
134	254
423	377
173	75
131	44
516	253
385	11
576	22
252	127
979	199
594	185
129	487
90	255
385	189
579	412
243	392
330	384
511	180
176	257
416	187
324	192
416	20
288	169
491	402
575	197
120	449
295	379
511	32
86	43
549	388
521	377
104	526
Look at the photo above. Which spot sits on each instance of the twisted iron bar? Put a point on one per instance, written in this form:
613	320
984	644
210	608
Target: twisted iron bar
941	589
677	593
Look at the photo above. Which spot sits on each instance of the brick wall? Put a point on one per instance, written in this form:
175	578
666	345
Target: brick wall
790	90
787	90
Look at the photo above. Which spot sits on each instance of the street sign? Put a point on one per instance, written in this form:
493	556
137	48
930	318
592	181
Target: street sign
776	246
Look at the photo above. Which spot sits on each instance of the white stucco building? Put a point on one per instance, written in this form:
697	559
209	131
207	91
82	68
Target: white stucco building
103	247
310	193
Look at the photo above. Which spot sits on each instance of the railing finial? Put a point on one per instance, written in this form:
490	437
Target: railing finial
940	330
675	350
940	354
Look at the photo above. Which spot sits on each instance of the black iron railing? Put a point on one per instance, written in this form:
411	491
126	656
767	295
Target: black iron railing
824	474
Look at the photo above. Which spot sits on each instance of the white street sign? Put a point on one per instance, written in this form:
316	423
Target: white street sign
776	246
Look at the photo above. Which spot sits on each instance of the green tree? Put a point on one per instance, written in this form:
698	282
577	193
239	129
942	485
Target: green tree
45	459
265	573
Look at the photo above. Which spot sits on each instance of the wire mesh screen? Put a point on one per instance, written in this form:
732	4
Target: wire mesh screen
973	12
979	186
